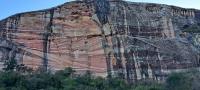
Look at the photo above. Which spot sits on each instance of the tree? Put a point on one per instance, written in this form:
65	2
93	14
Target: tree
10	65
178	81
65	73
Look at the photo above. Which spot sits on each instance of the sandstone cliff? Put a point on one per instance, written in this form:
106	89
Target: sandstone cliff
115	38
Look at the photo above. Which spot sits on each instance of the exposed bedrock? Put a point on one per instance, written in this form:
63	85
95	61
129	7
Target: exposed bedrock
110	38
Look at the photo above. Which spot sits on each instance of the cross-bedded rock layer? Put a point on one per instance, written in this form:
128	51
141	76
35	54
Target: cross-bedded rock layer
115	38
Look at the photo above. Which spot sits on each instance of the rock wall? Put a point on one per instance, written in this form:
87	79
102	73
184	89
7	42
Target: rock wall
108	37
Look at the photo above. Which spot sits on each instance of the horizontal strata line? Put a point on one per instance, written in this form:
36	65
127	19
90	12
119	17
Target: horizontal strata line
64	39
76	68
43	30
64	62
61	34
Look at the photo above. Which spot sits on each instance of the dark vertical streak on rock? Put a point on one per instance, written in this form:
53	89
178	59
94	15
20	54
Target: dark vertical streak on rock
117	54
120	19
130	60
13	24
102	10
47	41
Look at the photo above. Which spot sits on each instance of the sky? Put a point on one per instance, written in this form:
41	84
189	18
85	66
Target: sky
10	7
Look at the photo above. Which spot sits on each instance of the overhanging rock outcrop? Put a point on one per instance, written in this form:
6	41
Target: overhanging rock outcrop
115	38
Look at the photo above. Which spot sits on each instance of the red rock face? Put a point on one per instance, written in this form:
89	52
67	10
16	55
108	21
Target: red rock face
74	39
115	38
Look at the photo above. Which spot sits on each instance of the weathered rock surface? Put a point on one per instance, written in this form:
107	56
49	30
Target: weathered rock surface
115	38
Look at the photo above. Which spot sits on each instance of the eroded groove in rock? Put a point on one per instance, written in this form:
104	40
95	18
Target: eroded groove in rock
47	39
102	9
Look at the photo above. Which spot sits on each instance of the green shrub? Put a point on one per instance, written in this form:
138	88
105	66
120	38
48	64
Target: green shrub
67	80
